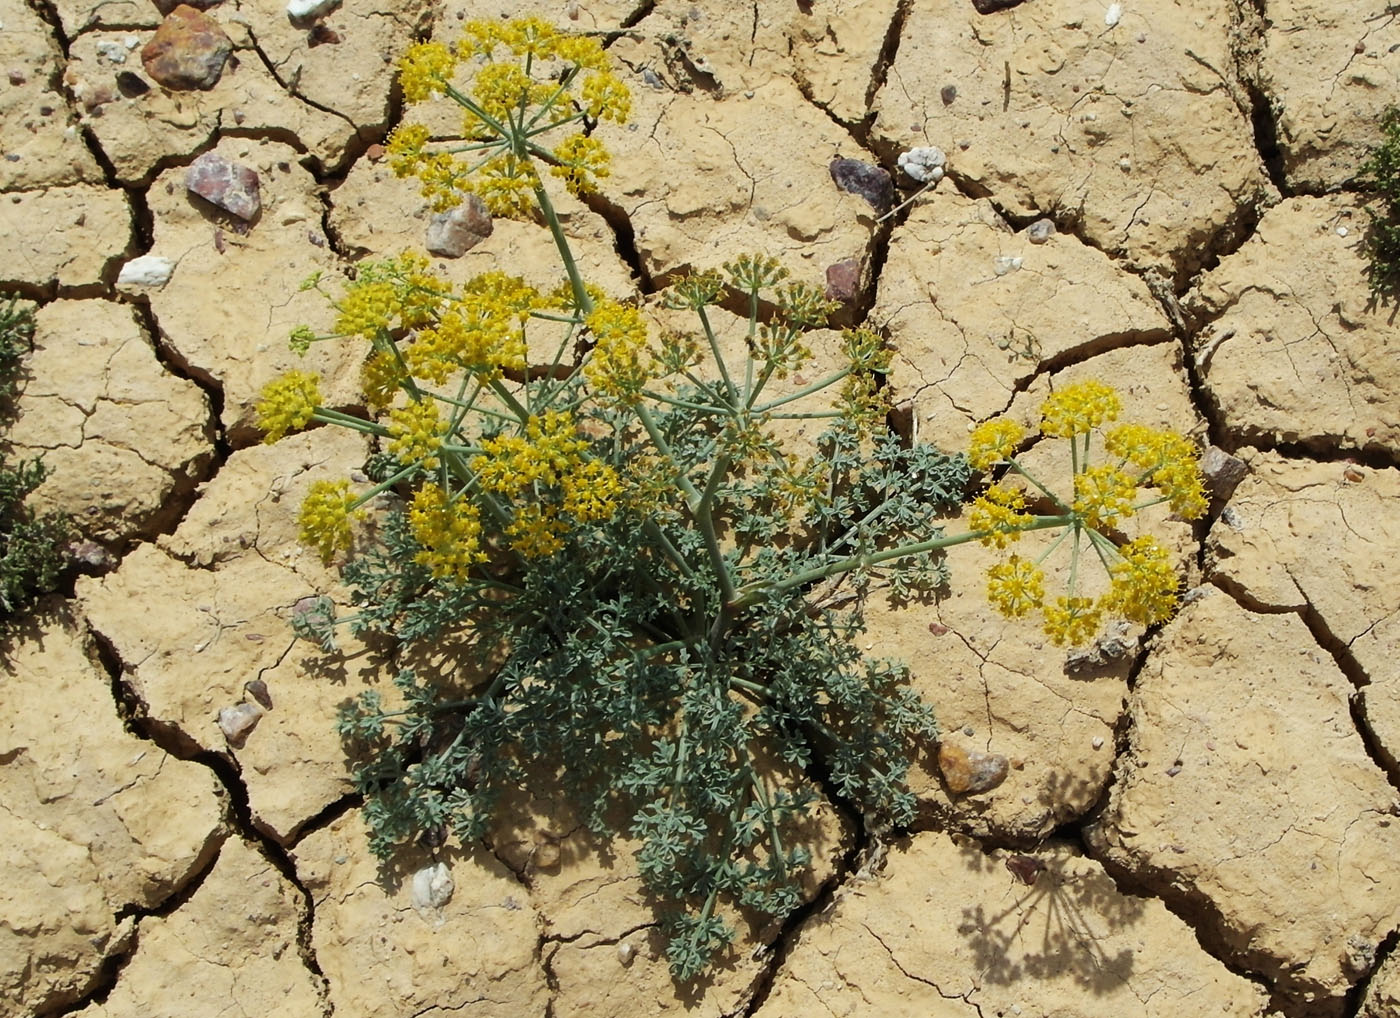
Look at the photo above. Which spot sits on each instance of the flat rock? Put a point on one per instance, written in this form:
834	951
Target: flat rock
1326	68
71	236
234	940
944	930
1247	797
967	339
228	310
835	51
188	51
1322	537
40	147
1132	136
97	822
705	181
228	580
478	952
455	232
125	441
1287	343
231	186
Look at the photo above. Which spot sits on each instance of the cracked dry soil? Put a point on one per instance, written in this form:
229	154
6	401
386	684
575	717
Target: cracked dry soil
1207	822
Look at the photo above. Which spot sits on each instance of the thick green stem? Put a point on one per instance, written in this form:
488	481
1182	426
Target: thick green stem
566	254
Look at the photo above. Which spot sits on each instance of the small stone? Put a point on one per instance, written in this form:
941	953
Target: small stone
131	85
374	153
870	182
1040	231
166	6
238	722
626	952
299	10
1113	15
926	164
1222	473
992	6
188	51
455	232
970	772
1097	742
1003	264
111	49
948	93
432	887
1342	231
229	185
257	689
17	77
843	280
148	270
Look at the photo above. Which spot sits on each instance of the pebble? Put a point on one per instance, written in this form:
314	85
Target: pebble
166	6
455	232
1222	472
626	952
148	270
970	772
112	50
1342	231
229	185
843	280
432	887
1040	231
238	722
298	10
948	93
1003	264
1097	742
187	52
924	164
870	182
257	689
1113	15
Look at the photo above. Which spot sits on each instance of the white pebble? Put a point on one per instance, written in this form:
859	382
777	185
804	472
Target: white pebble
298	9
238	721
1342	231
148	270
925	164
1098	742
1004	264
432	887
1113	15
626	952
112	50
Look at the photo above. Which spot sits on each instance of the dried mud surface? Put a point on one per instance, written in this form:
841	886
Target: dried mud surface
1205	822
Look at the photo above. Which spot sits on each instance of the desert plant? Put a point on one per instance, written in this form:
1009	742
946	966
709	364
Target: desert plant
32	554
1380	174
636	536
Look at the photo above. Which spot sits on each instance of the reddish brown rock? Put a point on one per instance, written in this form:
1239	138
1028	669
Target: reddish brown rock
187	52
231	186
457	231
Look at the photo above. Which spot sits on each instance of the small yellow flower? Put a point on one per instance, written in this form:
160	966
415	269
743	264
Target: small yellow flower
380	377
1016	586
581	160
1072	620
287	403
425	69
1184	487
1001	512
1144	583
583	51
1077	408
479	37
449	531
405	148
591	492
535	531
1103	496
605	97
507	186
993	441
530	37
615	368
416	431
325	517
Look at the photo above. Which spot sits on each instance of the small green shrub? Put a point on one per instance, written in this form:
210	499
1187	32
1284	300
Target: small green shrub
32	555
1380	173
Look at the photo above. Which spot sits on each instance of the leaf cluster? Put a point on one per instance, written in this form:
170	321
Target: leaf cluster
32	555
1380	174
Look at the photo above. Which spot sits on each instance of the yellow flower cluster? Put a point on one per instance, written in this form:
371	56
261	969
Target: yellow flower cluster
482	331
449	531
510	105
1079	408
1001	512
393	293
993	441
287	403
325	517
615	368
416	431
1143	580
380	377
546	472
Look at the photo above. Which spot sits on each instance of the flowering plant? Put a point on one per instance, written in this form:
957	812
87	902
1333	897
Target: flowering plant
628	530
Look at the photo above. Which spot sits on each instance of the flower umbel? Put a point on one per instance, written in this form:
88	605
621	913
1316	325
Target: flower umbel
325	517
288	403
